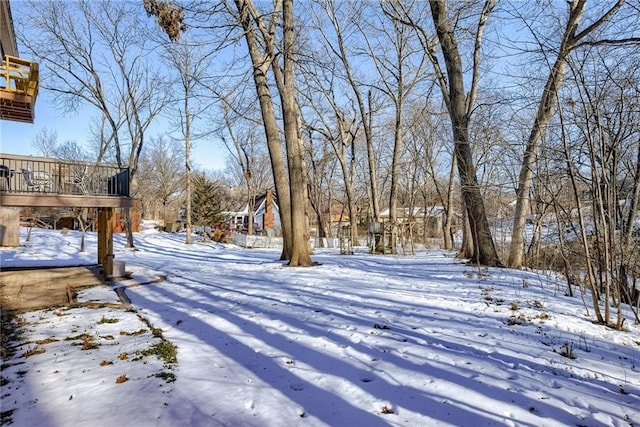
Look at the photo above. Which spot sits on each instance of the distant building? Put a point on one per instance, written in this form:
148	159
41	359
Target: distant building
266	216
430	217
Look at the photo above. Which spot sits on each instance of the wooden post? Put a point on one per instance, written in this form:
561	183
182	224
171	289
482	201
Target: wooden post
9	227
102	240
105	240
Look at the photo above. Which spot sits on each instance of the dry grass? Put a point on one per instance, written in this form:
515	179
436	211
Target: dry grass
33	351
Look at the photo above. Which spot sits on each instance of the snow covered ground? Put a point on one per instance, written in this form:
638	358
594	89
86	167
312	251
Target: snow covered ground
360	340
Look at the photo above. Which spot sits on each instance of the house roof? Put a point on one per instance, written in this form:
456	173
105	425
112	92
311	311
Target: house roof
259	204
8	43
262	199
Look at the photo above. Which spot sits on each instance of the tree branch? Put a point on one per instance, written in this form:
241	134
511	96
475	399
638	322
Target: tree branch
611	42
486	11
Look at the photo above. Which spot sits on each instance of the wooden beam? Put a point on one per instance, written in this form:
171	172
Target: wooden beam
64	200
16	107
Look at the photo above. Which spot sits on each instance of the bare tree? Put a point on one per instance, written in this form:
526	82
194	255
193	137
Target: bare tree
341	16
191	64
401	69
335	126
163	170
46	142
97	53
265	50
460	104
571	39
322	166
425	134
242	147
254	26
602	118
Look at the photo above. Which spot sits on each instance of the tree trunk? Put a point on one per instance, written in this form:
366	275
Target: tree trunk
346	138
252	205
187	161
397	151
351	192
322	228
466	249
272	133
484	248
347	175
82	220
371	157
300	255
448	219
525	178
127	227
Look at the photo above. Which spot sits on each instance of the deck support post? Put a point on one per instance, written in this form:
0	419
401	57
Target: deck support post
105	240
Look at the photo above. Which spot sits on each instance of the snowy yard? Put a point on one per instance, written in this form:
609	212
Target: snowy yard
360	340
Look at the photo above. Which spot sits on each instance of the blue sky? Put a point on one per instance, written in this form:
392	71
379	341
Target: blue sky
16	138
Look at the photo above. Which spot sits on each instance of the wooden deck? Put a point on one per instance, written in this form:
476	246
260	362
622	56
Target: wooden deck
27	181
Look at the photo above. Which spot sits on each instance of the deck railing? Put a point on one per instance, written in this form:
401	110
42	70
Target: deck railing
20	76
28	174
